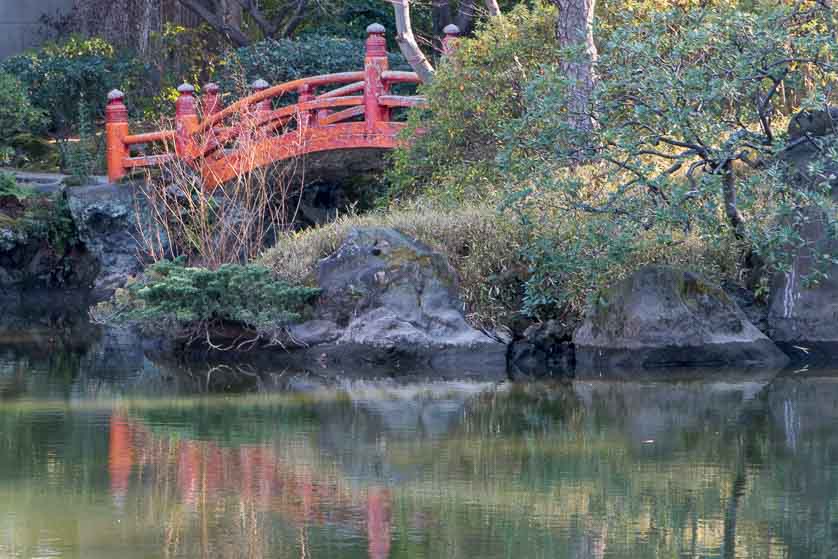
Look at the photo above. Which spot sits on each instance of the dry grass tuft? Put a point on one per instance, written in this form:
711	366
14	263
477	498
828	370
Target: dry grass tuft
483	246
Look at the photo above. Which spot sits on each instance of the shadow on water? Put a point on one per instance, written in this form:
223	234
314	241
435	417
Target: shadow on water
106	453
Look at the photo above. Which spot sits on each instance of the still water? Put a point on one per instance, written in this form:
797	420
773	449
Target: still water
104	454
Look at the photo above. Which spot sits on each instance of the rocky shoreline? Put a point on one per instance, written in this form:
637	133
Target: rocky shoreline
391	306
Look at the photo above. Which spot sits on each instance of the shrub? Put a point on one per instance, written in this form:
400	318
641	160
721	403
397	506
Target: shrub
483	247
473	98
193	303
85	156
691	106
17	116
56	76
228	224
281	60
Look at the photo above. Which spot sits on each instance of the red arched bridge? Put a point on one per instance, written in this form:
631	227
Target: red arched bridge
348	110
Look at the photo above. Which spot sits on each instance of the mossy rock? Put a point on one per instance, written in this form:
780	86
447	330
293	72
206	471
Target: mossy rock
384	289
661	316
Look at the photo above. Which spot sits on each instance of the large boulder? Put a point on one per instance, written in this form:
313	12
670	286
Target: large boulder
544	350
105	217
663	317
38	245
803	315
392	299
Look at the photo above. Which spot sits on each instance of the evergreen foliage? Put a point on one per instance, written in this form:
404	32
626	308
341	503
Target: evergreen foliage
83	157
17	115
191	302
281	60
57	75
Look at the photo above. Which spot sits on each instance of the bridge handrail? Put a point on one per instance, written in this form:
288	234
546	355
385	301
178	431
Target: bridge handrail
397	76
149	137
329	119
276	91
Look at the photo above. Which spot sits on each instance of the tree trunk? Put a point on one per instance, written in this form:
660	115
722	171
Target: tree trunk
407	42
441	16
231	13
492	8
146	25
465	16
575	34
729	195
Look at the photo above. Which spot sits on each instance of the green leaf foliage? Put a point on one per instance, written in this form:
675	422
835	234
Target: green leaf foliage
692	107
17	115
473	97
689	163
184	300
281	60
57	75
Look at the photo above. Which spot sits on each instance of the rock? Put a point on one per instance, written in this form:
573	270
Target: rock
314	332
546	349
663	317
105	217
806	315
817	123
38	247
754	309
394	294
803	316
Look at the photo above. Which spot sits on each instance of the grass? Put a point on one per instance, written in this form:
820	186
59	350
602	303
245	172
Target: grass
483	246
10	187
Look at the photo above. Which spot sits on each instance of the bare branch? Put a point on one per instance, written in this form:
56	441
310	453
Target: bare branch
407	42
236	36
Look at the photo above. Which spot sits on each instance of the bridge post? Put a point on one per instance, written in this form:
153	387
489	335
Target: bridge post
375	63
186	121
211	99
116	129
449	42
256	87
304	95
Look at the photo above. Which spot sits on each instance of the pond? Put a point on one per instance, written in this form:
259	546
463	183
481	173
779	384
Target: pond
105	454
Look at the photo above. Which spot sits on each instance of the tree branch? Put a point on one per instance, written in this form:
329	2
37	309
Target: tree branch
407	42
236	36
268	29
296	18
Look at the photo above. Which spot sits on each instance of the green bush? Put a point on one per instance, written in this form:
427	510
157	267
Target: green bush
473	98
281	60
56	76
17	116
692	110
84	156
195	302
482	246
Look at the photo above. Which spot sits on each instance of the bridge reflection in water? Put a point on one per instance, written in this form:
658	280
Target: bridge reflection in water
205	474
723	467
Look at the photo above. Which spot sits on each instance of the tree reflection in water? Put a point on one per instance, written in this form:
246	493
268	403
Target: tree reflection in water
730	467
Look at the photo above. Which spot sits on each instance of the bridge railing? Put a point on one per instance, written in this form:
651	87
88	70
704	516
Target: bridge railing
364	95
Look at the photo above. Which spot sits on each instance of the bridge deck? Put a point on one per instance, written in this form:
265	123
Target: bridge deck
343	111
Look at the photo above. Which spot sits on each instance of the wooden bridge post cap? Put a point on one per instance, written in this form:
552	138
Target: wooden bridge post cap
211	87
451	29
186	89
376	44
116	111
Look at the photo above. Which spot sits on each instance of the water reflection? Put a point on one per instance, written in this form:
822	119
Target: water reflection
104	453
